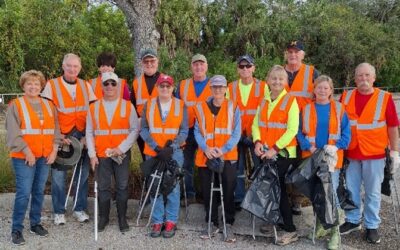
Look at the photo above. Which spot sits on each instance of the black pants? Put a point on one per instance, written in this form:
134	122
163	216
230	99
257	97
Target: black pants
228	187
284	206
104	172
140	144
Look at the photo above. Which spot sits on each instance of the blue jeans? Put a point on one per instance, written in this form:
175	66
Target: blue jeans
240	190
58	194
168	212
189	154
29	182
370	173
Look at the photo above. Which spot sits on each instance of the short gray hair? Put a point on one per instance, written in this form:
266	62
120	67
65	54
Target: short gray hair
365	64
70	56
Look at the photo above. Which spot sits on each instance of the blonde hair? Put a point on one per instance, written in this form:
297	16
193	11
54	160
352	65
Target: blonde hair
321	79
32	74
277	69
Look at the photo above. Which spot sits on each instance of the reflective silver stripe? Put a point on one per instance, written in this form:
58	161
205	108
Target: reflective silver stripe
139	99
101	132
378	107
301	94
230	116
241	176
209	136
310	139
177	107
307	111
305	80
171	131
277	125
257	91
30	131
185	94
348	96
123	108
48	131
152	128
234	86
222	131
248	112
47	105
333	137
374	125
338	108
285	102
203	122
97	112
353	122
262	124
25	113
81	108
93	82
119	131
85	93
57	82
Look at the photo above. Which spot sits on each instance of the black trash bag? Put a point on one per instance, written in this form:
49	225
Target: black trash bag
344	195
171	176
148	166
312	179
385	187
263	197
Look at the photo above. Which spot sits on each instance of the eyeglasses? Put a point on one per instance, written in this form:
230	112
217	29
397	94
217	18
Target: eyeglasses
248	66
151	61
105	84
163	86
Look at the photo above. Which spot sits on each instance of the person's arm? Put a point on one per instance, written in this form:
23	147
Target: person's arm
236	133
14	139
292	127
199	137
126	144
145	130
90	136
301	138
183	130
345	133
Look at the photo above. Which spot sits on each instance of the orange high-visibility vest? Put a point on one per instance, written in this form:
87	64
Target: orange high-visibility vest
142	93
248	111
216	130
302	86
109	135
309	129
188	95
98	89
70	113
272	128
161	131
39	137
368	131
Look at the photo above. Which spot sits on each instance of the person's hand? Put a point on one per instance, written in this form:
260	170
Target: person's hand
114	152
217	152
269	154
209	152
330	149
394	155
165	153
52	156
30	159
66	141
312	149
94	162
259	149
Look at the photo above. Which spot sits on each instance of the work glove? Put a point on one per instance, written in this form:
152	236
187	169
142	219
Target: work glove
165	153
331	156
247	141
394	156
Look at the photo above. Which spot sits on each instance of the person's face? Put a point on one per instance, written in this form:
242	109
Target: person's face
150	65
199	69
218	92
32	87
323	92
276	82
364	79
110	89
165	90
245	69
294	56
71	67
106	68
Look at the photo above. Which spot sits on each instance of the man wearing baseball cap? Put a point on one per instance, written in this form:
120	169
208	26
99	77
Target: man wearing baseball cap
165	119
246	92
110	153
192	91
217	131
143	85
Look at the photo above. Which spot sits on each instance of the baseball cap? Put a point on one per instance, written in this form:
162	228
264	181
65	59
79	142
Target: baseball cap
218	80
148	53
199	57
247	58
165	78
296	44
109	76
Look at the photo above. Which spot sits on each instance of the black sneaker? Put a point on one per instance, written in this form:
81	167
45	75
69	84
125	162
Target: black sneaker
349	227
17	238
39	230
373	236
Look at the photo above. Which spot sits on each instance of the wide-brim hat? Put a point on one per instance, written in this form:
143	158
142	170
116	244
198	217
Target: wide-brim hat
69	155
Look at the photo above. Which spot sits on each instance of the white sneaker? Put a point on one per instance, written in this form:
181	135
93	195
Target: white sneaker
59	219
81	216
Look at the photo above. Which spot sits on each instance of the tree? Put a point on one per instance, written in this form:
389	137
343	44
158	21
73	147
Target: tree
140	17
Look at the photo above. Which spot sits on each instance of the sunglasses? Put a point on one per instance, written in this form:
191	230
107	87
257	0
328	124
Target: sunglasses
245	66
163	86
105	84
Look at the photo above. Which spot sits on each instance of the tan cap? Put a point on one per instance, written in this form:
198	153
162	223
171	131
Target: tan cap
199	57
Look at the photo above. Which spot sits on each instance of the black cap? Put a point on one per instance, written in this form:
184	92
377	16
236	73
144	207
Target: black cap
296	44
247	58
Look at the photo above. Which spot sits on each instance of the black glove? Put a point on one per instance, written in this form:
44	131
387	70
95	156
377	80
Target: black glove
165	154
247	141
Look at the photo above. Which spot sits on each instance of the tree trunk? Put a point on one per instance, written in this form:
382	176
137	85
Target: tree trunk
140	15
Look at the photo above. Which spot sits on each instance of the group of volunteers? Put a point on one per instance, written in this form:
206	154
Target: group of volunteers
286	118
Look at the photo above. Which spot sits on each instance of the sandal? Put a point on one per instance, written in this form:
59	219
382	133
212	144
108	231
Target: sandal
287	238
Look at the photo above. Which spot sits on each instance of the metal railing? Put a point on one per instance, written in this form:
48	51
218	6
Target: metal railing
6	98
